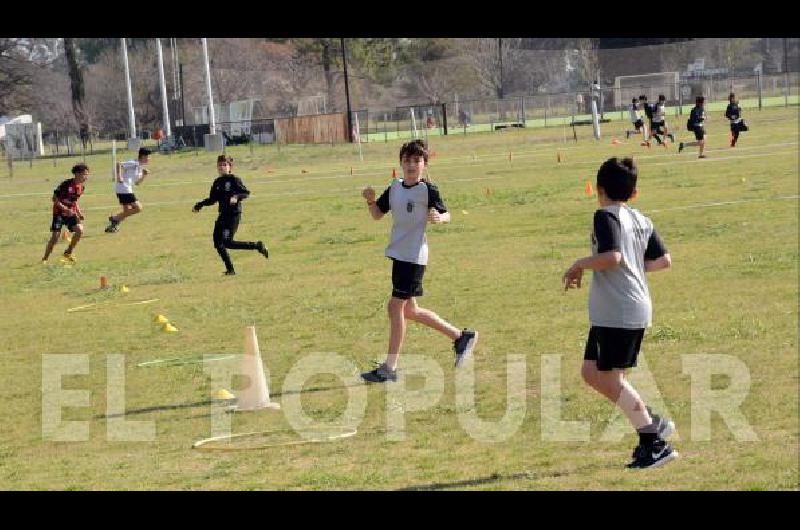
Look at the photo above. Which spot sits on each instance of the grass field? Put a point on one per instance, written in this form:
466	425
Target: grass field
730	223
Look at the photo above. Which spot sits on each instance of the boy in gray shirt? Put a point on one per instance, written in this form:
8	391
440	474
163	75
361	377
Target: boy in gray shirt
413	202
625	246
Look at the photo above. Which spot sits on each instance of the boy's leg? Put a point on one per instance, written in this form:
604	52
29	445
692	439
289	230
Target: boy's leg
233	226
429	318
397	332
219	244
77	232
51	243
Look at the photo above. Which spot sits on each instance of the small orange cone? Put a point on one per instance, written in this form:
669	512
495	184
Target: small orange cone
588	189
614	141
103	282
488	191
558	157
65	235
394	173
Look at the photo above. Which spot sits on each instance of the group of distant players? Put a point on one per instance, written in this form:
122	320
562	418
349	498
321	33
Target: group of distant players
625	247
658	129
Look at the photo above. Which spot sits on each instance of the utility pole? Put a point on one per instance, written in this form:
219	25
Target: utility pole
347	94
500	58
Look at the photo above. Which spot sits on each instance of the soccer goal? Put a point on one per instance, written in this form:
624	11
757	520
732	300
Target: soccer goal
310	105
627	87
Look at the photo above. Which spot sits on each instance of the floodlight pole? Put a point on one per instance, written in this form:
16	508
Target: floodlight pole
347	94
131	117
168	130
211	121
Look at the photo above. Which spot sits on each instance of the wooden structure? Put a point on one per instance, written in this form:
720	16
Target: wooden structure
314	129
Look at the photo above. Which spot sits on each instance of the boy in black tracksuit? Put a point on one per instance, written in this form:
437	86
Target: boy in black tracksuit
228	191
734	114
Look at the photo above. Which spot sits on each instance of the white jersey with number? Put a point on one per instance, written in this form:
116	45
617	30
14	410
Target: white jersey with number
131	172
634	113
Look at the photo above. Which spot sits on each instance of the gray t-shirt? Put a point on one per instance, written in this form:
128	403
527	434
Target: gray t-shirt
619	296
409	206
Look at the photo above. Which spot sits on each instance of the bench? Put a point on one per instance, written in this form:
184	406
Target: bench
505	125
588	122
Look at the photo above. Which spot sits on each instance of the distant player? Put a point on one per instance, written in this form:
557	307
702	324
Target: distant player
649	112
734	114
128	174
414	202
638	123
660	120
696	124
228	192
66	212
625	247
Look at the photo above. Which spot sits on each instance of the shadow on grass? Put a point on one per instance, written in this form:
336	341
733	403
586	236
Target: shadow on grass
498	477
161	408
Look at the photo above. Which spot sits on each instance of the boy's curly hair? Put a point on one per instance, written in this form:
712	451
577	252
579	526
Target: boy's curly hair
414	147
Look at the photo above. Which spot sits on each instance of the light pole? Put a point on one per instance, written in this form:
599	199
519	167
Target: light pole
347	94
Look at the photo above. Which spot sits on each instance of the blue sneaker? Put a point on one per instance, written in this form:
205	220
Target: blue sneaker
381	374
464	345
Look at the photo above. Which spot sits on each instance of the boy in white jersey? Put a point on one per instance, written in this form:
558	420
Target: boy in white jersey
413	202
625	247
659	125
638	123
128	174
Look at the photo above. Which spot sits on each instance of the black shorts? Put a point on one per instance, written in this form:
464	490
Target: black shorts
61	220
638	124
613	347
126	198
657	126
739	127
406	279
699	132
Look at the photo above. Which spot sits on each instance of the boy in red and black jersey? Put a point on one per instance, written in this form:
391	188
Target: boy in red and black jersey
66	211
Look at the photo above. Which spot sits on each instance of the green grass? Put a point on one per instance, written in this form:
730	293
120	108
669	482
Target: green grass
517	225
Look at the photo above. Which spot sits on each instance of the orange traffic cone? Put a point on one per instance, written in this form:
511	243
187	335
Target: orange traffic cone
558	157
614	141
394	173
588	189
65	235
103	282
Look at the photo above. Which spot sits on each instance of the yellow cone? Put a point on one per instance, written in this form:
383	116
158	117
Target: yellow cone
124	289
169	328
161	319
223	394
464	212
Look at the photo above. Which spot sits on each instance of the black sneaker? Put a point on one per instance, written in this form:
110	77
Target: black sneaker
701	156
113	225
671	138
627	135
381	374
229	273
262	249
464	345
655	455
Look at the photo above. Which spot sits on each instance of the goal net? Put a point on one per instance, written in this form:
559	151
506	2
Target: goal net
627	87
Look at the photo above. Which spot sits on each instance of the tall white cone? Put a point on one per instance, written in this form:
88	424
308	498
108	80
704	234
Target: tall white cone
256	395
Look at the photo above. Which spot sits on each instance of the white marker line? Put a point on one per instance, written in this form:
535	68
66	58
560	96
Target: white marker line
725	203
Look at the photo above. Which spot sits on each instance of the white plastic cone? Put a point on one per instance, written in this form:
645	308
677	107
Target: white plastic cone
256	395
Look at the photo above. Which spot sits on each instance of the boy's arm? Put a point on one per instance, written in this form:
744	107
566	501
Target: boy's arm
437	210
240	192
656	256
212	198
607	233
145	172
377	208
119	172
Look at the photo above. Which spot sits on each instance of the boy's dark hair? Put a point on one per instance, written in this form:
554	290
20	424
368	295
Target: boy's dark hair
79	168
618	178
662	97
732	96
414	147
643	98
699	99
634	100
143	151
225	158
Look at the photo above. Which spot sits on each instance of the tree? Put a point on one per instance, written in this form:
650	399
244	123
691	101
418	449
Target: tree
76	84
